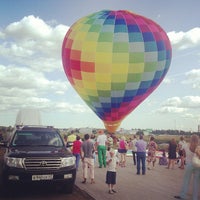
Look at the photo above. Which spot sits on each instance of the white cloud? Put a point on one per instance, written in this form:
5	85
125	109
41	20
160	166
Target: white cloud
184	102
187	105
30	54
193	78
30	27
67	107
23	86
24	78
33	43
191	102
183	40
173	102
167	80
171	110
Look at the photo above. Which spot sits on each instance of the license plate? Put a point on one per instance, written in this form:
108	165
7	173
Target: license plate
42	177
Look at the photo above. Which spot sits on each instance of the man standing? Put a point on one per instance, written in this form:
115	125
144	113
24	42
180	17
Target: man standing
87	150
141	154
101	148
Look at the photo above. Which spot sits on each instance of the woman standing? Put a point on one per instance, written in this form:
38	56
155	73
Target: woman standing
181	151
190	170
172	153
152	147
122	150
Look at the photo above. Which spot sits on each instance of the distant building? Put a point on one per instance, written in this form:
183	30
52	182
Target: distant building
86	130
28	116
199	128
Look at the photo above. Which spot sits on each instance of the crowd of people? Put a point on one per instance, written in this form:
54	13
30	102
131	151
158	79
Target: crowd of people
112	153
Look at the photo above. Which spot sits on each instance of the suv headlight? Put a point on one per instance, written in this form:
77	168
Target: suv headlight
66	162
14	162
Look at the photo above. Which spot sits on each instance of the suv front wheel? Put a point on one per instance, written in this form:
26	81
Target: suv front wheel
67	188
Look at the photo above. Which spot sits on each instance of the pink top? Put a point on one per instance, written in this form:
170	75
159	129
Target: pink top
122	144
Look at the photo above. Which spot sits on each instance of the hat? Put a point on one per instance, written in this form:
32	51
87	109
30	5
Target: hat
100	131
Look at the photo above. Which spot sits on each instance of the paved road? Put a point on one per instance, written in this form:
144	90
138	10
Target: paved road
158	184
44	193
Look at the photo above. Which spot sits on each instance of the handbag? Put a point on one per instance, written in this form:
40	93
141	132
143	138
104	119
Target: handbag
196	161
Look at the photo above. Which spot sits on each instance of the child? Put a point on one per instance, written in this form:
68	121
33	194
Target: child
163	159
112	162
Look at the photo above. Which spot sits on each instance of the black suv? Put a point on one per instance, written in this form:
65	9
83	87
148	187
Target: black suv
38	155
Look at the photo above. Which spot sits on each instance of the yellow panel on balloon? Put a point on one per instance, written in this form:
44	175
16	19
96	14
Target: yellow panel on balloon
81	91
104	47
88	56
119	68
103	68
92	36
89	46
103	86
120	57
103	78
89	85
136	68
119	78
77	45
92	92
81	36
104	57
83	28
78	83
88	76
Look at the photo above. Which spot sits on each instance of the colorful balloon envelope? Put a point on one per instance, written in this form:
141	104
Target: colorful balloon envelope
115	60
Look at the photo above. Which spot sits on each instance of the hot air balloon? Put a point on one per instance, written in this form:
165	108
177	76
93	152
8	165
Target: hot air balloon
115	60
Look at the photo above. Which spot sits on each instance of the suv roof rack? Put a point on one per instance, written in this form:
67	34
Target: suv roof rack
18	127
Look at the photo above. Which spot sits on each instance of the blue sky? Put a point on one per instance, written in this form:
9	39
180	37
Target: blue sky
31	72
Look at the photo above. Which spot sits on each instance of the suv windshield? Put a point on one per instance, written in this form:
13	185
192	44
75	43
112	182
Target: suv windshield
36	138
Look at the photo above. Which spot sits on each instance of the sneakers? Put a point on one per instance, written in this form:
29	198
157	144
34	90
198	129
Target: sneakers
177	197
112	191
92	181
84	181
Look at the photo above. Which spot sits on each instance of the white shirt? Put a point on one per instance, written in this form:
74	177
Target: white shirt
112	165
101	140
181	144
133	142
189	154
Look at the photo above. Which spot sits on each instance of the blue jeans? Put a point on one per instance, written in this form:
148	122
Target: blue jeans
141	157
78	156
134	157
189	171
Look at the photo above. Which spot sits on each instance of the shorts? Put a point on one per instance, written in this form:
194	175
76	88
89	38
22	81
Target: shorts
111	177
181	153
122	150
